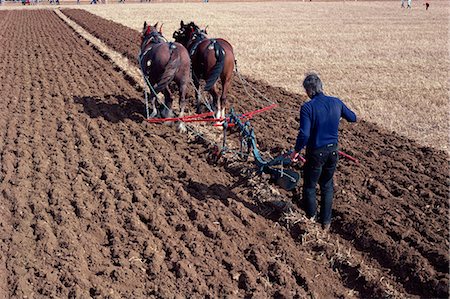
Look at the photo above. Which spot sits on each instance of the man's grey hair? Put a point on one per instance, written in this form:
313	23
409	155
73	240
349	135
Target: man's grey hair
312	84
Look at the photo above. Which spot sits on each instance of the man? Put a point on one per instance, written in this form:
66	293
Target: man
319	122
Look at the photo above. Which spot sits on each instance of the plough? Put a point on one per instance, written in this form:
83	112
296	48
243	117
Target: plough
285	178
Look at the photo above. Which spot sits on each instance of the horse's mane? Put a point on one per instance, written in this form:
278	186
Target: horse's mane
193	26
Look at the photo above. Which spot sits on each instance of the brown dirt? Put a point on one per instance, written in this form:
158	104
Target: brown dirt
96	202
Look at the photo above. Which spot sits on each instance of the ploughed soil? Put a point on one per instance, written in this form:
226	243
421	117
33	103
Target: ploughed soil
96	202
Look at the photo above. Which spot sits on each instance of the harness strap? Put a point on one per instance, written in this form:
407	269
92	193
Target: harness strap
153	39
156	38
141	56
217	48
194	47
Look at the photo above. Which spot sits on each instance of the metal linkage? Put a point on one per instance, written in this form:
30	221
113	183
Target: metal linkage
286	178
146	104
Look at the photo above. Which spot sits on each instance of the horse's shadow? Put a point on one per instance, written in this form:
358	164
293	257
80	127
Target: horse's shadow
272	210
117	108
113	108
220	192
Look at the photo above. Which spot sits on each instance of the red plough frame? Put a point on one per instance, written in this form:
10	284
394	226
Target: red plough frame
207	117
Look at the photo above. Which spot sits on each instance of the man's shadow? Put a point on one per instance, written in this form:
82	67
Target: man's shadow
113	108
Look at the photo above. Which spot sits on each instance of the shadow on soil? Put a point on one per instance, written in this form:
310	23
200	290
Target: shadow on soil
219	192
113	108
271	210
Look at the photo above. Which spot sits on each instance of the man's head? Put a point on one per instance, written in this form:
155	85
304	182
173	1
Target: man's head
312	85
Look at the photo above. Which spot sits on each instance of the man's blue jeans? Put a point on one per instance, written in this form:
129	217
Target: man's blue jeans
319	168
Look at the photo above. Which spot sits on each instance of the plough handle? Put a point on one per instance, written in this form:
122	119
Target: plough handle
348	157
303	160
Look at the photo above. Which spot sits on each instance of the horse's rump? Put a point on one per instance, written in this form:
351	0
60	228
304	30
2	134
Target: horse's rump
213	54
216	70
171	67
161	63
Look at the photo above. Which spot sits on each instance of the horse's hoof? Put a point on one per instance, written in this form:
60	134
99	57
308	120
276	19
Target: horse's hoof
182	128
218	124
220	120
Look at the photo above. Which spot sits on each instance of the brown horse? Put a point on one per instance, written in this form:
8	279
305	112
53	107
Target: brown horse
211	59
162	62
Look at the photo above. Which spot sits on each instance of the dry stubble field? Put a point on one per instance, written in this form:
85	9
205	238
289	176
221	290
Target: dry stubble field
389	64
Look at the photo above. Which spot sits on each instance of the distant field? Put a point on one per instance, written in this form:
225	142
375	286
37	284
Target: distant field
389	64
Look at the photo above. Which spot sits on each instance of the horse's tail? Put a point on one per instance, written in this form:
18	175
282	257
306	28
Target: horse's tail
170	70
218	67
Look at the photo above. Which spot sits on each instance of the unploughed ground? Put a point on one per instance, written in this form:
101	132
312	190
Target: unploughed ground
97	202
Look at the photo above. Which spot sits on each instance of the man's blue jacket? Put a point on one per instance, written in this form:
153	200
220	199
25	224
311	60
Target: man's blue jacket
319	121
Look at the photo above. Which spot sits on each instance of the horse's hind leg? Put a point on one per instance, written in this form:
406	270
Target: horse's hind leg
167	111
197	93
216	103
153	106
183	88
223	99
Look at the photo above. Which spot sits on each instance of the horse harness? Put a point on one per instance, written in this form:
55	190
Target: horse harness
153	38
197	39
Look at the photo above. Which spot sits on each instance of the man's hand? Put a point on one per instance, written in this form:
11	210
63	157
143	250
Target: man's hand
294	156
